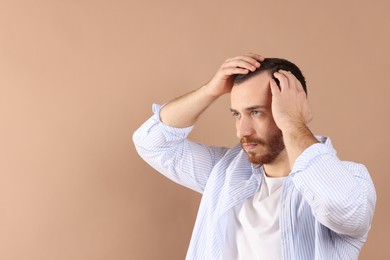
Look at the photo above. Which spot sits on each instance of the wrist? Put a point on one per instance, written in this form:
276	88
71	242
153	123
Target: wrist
294	128
209	91
300	135
297	139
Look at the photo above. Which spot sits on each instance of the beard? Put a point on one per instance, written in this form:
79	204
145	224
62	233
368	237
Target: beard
266	150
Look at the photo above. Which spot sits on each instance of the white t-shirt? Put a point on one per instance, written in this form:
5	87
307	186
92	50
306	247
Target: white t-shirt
254	231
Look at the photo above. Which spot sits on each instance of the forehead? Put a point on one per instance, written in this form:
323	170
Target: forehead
252	92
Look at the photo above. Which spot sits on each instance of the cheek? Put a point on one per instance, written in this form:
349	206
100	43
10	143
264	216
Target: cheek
265	126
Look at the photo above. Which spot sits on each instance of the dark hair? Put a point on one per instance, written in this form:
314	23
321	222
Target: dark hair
273	65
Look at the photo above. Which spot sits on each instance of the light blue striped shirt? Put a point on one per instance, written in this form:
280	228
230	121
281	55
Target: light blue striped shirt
327	205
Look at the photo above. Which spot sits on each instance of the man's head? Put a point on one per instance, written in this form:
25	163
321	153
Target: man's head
273	65
251	101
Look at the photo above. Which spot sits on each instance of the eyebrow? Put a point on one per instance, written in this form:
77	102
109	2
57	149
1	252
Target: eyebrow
249	108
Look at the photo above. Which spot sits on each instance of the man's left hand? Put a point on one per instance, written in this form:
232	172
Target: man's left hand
290	107
291	112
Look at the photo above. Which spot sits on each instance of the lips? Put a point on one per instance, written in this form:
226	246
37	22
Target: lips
249	146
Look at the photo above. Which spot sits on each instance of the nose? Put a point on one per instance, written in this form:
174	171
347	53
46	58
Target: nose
244	127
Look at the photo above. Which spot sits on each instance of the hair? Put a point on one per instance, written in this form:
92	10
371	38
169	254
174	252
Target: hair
273	65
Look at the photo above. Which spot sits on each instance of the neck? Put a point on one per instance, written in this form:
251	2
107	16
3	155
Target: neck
280	167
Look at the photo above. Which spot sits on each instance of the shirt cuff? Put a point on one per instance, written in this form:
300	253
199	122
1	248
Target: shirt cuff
312	152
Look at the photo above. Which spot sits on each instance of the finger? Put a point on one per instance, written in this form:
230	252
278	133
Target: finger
274	87
249	59
234	71
239	63
293	81
282	79
250	55
255	56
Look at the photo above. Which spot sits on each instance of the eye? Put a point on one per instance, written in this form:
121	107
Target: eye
256	113
235	114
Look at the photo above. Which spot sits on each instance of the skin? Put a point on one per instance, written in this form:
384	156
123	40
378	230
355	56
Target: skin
251	106
286	109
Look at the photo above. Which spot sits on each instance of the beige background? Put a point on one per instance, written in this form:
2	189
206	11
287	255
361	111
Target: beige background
78	77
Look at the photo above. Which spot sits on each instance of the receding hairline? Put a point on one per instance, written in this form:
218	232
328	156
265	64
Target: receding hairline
251	75
273	65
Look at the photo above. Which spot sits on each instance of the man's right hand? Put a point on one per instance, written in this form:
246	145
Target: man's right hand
185	110
222	82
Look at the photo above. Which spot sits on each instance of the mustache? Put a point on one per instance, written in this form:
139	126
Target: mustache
252	140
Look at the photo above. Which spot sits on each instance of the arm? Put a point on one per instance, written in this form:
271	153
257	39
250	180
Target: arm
341	194
162	140
168	151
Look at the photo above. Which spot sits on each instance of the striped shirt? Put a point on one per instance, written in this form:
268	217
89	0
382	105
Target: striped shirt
326	209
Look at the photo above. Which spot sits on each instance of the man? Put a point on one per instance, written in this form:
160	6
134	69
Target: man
282	193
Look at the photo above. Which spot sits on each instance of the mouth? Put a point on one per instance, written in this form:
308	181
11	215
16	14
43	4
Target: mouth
249	146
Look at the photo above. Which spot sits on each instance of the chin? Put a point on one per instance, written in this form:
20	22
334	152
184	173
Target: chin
264	159
268	158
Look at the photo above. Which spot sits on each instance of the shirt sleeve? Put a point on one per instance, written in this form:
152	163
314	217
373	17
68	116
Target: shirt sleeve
168	150
341	194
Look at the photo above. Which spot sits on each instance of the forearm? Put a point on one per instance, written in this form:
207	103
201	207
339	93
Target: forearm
297	140
185	110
